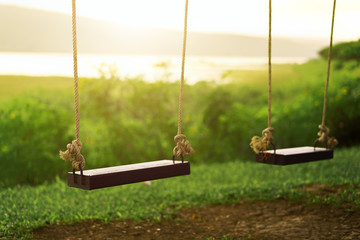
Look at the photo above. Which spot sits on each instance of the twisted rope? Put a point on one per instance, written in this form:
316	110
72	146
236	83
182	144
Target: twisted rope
324	130
323	133
269	65
73	152
259	144
76	78
324	137
183	146
181	96
73	155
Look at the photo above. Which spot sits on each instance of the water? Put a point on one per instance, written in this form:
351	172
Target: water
151	68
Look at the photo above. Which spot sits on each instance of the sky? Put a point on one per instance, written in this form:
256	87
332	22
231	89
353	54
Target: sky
291	18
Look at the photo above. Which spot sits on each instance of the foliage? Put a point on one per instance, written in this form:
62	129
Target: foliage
24	208
32	129
128	120
136	120
296	107
343	52
11	86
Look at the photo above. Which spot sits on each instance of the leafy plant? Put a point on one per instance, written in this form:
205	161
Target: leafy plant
128	120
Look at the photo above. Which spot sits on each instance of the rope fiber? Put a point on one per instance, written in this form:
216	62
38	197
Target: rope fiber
73	152
183	146
73	155
324	131
259	144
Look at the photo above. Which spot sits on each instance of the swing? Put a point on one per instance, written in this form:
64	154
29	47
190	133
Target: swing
295	155
132	173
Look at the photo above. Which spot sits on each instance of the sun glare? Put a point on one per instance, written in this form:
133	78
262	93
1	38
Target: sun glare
294	18
157	13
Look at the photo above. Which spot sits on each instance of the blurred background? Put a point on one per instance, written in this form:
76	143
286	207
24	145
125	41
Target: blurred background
129	68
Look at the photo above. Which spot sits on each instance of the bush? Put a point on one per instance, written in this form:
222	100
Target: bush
343	52
128	120
32	130
295	117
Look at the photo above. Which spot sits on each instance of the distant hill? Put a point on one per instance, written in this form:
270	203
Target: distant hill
31	30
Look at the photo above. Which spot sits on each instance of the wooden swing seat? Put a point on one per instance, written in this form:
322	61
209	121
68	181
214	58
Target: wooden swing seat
125	174
287	156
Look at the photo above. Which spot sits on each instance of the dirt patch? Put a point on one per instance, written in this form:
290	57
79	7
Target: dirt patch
245	220
324	190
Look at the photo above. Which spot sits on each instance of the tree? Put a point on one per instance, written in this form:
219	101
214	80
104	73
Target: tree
345	51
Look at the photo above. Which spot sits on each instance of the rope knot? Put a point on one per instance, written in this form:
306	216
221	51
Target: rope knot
323	133
73	154
324	136
183	147
267	135
259	144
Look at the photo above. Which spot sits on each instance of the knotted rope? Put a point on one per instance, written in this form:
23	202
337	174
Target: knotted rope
323	134
73	154
324	130
183	147
259	144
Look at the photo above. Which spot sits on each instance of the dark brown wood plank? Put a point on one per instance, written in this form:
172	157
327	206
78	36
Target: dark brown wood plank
126	174
296	155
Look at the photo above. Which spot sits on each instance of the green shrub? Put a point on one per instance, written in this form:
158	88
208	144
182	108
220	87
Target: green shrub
344	51
296	109
128	120
32	130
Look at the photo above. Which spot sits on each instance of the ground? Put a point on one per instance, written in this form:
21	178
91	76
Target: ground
277	219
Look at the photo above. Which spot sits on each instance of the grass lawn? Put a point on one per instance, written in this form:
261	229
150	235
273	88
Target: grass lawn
11	86
24	208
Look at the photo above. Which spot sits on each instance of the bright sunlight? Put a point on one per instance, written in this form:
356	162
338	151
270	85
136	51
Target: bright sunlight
300	18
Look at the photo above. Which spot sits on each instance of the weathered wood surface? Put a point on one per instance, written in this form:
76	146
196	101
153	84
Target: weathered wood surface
288	156
125	174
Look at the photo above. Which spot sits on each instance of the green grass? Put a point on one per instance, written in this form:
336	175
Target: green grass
24	208
132	121
11	86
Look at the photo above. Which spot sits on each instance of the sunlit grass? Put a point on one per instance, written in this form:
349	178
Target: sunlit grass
281	73
11	86
24	208
129	120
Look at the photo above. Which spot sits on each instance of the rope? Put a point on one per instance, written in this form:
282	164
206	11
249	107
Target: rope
183	146
76	78
269	66
73	152
324	130
259	144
